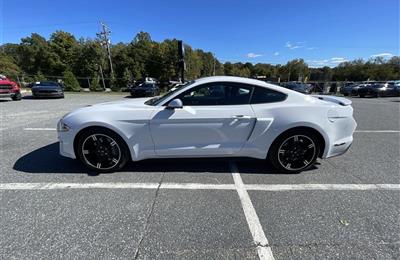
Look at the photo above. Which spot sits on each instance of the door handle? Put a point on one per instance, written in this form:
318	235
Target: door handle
241	117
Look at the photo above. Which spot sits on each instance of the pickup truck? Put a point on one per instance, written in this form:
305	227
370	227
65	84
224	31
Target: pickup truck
9	89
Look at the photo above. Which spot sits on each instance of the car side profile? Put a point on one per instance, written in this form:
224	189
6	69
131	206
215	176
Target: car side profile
211	117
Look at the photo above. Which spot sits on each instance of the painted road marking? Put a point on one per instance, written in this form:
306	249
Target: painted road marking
39	129
196	186
377	131
357	131
256	230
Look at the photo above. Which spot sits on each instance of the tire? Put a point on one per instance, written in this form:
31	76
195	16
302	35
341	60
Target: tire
345	94
101	150
362	96
17	97
290	156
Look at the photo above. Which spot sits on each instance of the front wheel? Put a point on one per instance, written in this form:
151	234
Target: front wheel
102	150
294	151
17	97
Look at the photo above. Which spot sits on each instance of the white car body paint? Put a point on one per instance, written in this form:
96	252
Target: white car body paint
214	131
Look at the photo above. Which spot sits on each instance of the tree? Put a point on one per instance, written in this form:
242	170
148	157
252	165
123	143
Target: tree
70	82
9	67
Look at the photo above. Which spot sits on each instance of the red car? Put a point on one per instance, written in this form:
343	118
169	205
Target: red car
9	88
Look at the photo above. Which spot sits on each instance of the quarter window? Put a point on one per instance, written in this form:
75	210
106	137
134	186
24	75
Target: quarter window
265	95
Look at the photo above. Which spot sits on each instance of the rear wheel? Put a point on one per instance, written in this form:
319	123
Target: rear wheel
102	150
294	151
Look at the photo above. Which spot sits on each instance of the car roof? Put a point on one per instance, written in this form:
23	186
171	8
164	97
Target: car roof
244	81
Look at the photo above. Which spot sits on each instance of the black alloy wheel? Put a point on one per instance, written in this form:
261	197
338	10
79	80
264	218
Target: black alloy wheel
102	150
294	152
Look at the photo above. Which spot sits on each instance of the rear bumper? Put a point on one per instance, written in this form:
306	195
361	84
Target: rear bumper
341	137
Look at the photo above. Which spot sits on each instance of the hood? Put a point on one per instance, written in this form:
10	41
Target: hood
127	103
116	110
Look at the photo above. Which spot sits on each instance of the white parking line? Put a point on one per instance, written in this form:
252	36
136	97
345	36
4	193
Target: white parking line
196	186
377	131
39	129
113	185
333	187
357	131
256	230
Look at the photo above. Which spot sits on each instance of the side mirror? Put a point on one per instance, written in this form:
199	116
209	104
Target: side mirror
175	103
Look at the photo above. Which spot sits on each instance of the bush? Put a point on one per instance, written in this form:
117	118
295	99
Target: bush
95	84
70	82
114	84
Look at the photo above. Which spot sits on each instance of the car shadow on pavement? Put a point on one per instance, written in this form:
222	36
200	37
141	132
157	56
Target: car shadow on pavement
47	160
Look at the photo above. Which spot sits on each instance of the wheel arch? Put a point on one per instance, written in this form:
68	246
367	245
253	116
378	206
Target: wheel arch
321	139
87	128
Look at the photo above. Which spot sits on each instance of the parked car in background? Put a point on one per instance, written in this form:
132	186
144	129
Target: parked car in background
46	89
9	89
351	90
388	89
299	87
145	90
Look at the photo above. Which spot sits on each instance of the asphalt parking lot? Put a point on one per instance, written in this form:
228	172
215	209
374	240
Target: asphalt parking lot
346	207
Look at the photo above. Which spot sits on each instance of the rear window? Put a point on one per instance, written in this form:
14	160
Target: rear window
265	95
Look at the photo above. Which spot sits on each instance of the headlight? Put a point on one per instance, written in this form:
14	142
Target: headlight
62	127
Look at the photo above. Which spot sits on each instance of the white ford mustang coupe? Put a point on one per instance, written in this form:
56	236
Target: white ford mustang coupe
211	117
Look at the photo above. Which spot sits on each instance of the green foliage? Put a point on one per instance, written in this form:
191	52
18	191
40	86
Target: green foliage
8	66
35	57
70	82
39	77
95	83
114	84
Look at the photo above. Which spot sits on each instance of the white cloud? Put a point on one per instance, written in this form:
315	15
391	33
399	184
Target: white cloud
276	53
253	55
338	60
384	55
311	48
295	45
326	62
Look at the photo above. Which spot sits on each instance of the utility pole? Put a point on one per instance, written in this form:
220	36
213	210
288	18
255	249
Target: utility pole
214	64
182	65
105	41
102	77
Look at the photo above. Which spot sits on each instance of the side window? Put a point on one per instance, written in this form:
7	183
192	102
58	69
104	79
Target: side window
204	95
217	94
265	95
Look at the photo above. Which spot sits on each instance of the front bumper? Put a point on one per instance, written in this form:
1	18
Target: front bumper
45	95
7	94
66	144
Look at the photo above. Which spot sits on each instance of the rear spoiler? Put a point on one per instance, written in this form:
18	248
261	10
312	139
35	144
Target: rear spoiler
338	100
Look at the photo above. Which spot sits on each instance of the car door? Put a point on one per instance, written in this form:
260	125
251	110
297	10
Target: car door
216	119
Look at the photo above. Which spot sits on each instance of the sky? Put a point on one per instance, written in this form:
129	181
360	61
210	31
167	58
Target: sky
268	31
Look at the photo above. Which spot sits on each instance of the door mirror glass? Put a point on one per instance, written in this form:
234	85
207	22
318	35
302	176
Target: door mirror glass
175	103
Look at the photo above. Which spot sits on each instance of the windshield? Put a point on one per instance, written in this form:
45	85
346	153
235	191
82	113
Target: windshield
158	100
